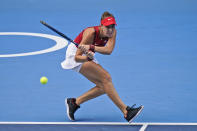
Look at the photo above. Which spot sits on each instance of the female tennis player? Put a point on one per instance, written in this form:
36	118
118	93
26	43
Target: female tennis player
99	39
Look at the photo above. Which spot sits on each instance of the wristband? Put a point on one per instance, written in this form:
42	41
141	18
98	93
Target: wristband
92	47
89	59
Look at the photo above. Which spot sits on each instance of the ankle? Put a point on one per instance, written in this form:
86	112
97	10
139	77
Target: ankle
77	102
125	111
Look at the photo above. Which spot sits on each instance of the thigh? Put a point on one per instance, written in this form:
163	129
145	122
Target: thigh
94	72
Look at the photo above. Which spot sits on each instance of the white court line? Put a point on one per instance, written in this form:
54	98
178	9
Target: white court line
97	123
73	123
60	43
143	127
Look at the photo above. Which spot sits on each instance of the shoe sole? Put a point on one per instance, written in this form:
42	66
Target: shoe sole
66	102
136	114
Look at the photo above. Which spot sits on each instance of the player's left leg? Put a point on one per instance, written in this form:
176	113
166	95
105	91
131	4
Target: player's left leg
92	93
74	103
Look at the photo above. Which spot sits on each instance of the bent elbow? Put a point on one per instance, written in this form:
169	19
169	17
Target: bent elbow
108	52
76	58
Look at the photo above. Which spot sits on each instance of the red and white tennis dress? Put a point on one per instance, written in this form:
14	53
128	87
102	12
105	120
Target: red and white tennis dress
69	62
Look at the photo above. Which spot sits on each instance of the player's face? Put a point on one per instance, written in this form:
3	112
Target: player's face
108	30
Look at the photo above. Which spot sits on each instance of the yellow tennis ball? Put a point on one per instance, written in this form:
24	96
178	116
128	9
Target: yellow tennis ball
43	80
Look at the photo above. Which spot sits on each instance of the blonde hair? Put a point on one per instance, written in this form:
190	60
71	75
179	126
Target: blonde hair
106	14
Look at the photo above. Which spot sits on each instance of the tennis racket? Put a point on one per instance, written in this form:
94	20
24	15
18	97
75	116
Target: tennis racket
59	33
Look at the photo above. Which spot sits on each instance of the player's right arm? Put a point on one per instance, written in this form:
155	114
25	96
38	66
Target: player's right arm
88	37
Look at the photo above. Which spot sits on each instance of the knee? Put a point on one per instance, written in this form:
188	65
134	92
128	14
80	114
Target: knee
101	90
106	78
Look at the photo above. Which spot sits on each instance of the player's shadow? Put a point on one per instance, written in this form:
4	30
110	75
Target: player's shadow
85	119
98	119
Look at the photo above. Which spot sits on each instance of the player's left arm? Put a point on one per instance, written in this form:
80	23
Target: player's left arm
109	47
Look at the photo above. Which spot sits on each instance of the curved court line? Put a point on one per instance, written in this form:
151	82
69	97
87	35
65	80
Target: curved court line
60	43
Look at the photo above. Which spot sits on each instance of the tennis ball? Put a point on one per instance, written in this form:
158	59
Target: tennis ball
43	80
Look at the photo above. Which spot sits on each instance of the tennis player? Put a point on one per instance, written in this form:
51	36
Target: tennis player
99	39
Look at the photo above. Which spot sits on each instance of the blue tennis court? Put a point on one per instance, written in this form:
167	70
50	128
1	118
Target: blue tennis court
153	64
